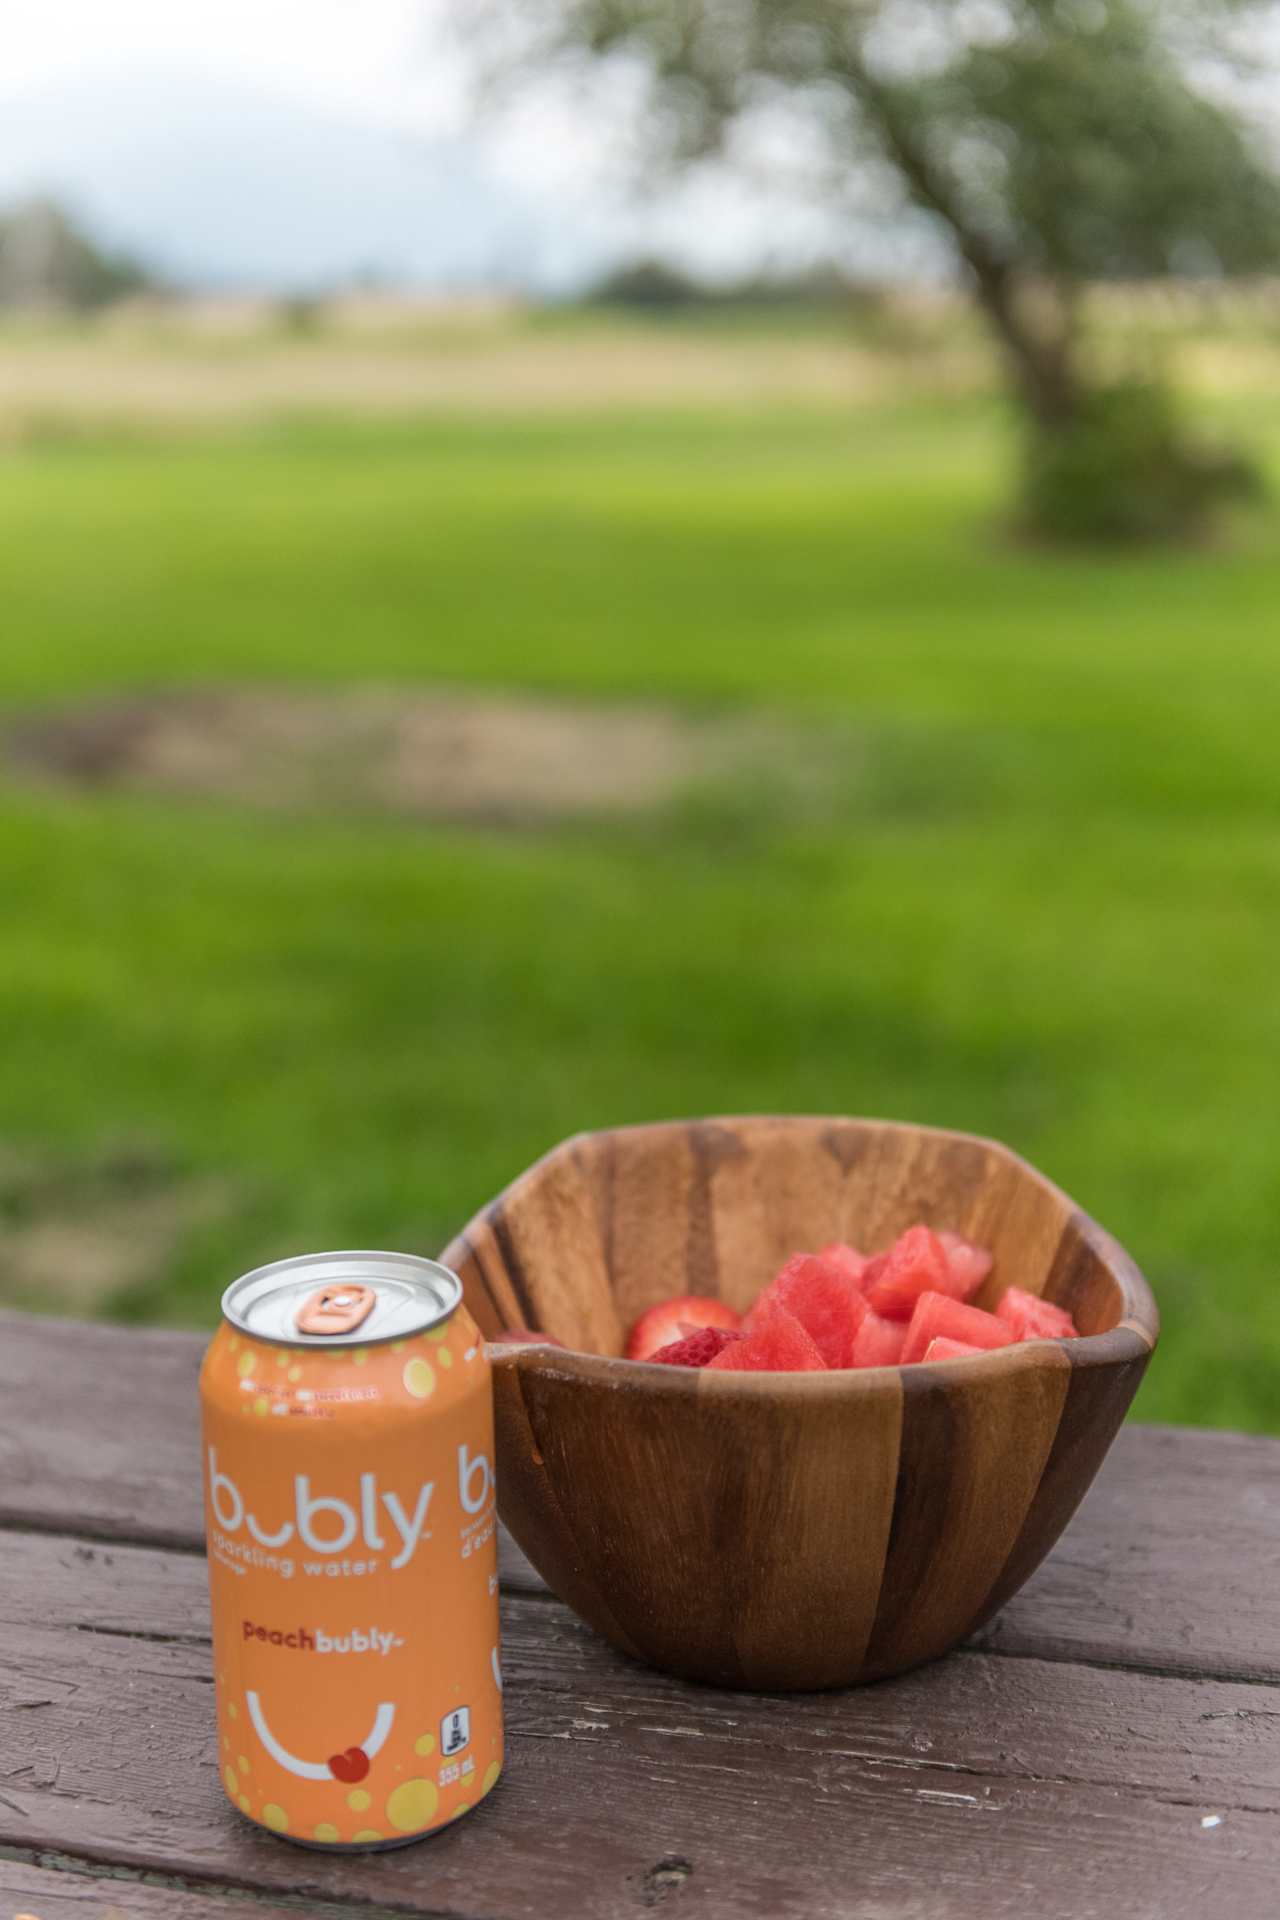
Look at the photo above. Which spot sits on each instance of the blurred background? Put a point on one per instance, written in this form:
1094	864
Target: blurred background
578	561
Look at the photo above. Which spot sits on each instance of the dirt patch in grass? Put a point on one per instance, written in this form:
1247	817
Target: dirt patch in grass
414	752
76	1234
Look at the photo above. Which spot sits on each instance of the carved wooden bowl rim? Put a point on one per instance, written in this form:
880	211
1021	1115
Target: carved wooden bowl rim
1135	1333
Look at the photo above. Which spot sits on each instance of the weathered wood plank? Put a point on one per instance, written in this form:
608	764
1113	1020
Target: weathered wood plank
965	1788
1173	1562
99	1429
76	1891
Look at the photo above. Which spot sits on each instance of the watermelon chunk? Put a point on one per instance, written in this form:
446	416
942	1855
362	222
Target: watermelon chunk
875	1267
916	1263
846	1259
775	1342
659	1326
878	1342
944	1349
942	1316
1031	1318
696	1349
969	1264
823	1299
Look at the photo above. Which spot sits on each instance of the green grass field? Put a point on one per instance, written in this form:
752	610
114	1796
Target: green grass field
1042	900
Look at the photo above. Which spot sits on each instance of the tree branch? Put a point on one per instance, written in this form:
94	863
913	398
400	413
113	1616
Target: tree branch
1043	368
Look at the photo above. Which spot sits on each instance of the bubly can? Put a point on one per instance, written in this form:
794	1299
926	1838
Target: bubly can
349	1504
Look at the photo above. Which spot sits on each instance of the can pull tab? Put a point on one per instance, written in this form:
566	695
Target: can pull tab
339	1309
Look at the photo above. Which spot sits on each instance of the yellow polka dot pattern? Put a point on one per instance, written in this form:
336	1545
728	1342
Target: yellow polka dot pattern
243	1763
244	1365
411	1805
231	1782
444	1358
295	1373
327	1832
261	1404
366	1834
425	1744
233	1711
358	1800
245	1806
275	1817
419	1380
490	1780
437	1333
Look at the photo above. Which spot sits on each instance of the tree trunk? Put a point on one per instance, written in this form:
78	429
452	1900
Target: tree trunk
1042	365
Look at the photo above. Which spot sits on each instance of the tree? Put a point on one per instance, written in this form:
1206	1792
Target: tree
46	257
1052	143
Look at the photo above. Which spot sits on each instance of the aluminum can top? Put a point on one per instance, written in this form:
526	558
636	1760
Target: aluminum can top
351	1299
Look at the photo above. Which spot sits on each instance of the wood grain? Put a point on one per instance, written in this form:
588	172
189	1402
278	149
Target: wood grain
767	1559
1173	1562
953	1792
81	1891
99	1429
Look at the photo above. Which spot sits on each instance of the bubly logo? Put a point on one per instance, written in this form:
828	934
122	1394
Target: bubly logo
322	1522
325	1524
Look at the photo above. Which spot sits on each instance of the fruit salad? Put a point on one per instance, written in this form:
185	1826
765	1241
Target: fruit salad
839	1308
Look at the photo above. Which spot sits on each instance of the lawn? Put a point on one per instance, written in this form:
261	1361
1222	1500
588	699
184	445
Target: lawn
1040	898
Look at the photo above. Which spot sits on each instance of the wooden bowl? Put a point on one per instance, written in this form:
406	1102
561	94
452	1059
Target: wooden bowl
788	1530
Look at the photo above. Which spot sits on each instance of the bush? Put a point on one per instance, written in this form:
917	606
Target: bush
645	284
1123	471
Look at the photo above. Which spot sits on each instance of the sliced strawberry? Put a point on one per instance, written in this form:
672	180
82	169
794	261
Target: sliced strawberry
1032	1318
878	1342
944	1349
774	1343
916	1263
969	1263
939	1315
828	1305
696	1349
660	1326
851	1263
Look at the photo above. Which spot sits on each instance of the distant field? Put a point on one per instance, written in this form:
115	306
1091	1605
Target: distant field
1032	887
223	365
84	380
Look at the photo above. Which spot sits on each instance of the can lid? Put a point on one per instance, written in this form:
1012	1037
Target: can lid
279	1302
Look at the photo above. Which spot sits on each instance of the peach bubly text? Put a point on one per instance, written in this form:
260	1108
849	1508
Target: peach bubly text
316	1640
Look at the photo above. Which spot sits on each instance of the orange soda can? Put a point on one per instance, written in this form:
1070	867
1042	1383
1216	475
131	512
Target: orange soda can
349	1506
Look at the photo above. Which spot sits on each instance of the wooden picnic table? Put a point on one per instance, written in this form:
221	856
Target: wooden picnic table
1109	1746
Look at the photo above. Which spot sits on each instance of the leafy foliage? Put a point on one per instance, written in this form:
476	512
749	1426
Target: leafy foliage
1124	471
1052	142
45	256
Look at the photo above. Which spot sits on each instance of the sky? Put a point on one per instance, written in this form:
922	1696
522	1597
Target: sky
291	143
